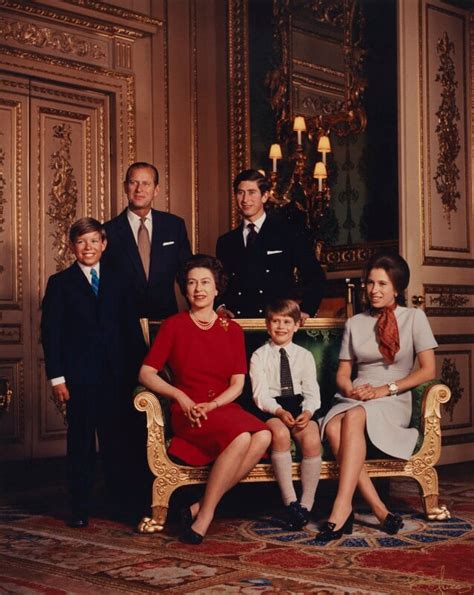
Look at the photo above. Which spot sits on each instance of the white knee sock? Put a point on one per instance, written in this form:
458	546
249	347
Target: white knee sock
310	471
281	462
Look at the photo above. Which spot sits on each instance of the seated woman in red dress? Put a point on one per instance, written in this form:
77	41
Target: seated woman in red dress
206	354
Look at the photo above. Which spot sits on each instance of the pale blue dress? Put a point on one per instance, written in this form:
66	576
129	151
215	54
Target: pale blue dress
388	418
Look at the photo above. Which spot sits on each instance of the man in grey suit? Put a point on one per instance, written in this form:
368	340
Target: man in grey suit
147	246
261	255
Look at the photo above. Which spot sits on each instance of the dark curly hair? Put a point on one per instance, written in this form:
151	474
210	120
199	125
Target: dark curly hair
203	261
396	268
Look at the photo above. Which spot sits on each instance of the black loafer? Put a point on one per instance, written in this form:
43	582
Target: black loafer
78	522
191	537
298	516
392	523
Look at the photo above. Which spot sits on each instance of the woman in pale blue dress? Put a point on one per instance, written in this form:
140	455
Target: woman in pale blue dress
384	343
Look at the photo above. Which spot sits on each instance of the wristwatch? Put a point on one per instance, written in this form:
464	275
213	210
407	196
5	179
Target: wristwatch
393	389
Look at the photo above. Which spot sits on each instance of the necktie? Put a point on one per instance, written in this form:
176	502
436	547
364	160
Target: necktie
285	375
143	241
95	281
252	235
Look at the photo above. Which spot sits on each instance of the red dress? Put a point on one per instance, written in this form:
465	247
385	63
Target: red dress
202	362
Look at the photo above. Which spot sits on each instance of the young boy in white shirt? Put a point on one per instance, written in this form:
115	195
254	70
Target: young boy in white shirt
286	390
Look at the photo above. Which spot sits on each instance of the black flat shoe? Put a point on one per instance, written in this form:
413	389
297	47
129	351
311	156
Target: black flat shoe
190	536
328	533
185	518
77	522
298	516
392	523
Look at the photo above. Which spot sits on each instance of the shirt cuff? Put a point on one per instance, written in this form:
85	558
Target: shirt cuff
58	380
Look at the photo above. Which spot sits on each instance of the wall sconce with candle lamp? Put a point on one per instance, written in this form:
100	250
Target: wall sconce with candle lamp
303	177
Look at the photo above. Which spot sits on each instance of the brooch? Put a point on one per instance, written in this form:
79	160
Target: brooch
224	322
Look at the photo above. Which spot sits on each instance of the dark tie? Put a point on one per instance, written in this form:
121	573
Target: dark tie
252	235
95	281
143	241
285	375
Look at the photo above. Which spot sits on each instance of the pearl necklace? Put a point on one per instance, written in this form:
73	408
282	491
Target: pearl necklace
205	326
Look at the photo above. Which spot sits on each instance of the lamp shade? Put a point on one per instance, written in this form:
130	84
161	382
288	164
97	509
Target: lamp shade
275	152
324	145
299	125
320	171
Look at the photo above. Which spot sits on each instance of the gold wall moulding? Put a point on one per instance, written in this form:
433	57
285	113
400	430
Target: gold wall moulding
127	23
449	300
11	171
26	33
351	257
447	172
238	82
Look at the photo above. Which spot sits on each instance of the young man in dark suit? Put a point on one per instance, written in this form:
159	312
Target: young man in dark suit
87	322
262	254
147	246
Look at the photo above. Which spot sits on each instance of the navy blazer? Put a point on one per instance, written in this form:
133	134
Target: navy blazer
84	335
267	270
170	249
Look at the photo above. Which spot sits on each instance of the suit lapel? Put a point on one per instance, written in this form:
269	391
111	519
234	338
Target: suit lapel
127	238
80	282
157	253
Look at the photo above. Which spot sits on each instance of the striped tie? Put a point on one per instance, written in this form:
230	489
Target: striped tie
95	281
285	375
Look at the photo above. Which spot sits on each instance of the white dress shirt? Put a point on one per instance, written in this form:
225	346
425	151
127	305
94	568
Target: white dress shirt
134	221
258	226
87	272
265	376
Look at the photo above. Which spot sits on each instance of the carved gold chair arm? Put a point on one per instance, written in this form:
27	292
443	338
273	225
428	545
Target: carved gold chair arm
434	396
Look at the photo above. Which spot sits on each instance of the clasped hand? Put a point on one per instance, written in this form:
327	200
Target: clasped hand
367	392
290	422
196	412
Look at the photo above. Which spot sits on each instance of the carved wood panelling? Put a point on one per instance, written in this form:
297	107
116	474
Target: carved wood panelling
449	300
12	424
69	168
446	136
10	334
454	365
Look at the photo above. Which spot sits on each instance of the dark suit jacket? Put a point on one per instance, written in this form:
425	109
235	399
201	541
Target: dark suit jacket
266	272
85	336
155	298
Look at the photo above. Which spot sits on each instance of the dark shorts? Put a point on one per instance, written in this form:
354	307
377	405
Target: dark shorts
292	404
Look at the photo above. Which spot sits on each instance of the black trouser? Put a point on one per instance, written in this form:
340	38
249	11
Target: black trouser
90	410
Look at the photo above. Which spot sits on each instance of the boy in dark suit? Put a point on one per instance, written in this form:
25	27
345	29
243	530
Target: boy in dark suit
261	255
87	321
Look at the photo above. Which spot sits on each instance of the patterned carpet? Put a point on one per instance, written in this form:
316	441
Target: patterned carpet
255	554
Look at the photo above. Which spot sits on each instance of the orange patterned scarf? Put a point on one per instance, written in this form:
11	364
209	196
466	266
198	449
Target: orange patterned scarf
386	331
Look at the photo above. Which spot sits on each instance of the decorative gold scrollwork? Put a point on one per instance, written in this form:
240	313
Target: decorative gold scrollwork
447	172
3	200
449	300
63	196
45	37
